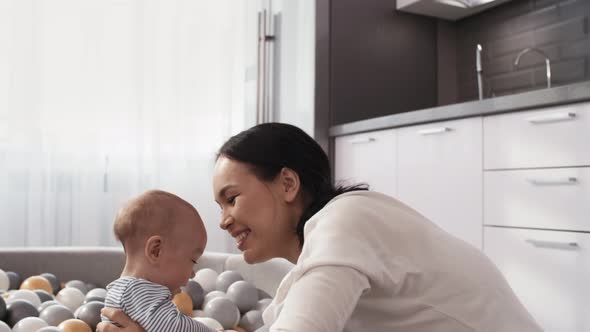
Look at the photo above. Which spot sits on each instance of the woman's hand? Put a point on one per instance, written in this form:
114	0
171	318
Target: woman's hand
118	316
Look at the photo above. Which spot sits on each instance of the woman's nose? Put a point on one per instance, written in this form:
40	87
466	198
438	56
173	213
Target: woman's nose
226	221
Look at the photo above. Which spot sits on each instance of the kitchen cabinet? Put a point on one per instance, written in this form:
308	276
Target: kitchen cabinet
368	158
440	175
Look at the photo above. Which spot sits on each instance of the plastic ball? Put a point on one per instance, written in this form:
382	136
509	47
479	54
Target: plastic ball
239	329
199	313
4	327
212	295
81	285
74	325
90	313
50	329
262	304
243	294
262	294
94	299
37	282
55	285
70	297
47	304
43	295
207	279
209	322
29	324
262	329
252	320
196	292
15	279
97	292
4	281
18	310
2	308
90	286
184	303
224	311
225	279
56	314
25	294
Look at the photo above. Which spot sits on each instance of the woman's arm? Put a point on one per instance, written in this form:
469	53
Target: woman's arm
118	316
322	300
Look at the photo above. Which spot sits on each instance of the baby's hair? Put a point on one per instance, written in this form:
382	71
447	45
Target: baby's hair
150	213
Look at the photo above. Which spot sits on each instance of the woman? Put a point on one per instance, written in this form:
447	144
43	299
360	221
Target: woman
364	261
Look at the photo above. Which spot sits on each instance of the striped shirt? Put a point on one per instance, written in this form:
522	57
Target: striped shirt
150	305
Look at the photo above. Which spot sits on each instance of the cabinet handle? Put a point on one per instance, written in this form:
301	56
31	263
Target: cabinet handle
554	244
554	182
362	140
434	131
556	117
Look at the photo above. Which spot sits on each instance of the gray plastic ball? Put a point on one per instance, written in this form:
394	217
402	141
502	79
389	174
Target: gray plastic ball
90	313
263	329
212	295
2	308
252	320
243	294
53	281
225	279
262	304
19	309
56	314
94	299
224	311
43	295
47	304
262	294
90	286
50	329
196	292
81	285
15	280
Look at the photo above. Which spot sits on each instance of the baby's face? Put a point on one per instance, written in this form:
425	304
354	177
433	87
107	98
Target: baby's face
181	250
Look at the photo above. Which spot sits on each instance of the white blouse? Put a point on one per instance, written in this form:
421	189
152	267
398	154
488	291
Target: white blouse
371	263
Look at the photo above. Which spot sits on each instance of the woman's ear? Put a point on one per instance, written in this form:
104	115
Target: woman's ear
290	184
153	248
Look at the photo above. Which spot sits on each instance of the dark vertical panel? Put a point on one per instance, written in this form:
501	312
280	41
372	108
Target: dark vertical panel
322	74
447	63
382	61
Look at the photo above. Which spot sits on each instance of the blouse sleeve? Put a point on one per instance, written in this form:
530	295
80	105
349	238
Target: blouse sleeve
322	300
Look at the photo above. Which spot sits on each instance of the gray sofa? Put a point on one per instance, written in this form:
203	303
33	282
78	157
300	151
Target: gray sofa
101	265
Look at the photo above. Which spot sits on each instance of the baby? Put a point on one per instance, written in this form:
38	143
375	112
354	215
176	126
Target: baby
163	236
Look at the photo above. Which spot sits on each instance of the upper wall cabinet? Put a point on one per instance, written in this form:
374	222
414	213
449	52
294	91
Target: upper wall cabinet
447	9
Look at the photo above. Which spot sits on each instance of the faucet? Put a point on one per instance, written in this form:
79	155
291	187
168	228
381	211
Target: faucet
547	61
479	70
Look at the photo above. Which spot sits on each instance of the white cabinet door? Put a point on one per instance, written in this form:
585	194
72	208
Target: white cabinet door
553	198
552	137
440	175
368	158
549	271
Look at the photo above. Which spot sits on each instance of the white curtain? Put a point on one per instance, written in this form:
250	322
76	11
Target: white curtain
103	99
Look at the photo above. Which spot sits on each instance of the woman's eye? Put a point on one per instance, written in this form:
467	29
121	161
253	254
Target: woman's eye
194	261
231	200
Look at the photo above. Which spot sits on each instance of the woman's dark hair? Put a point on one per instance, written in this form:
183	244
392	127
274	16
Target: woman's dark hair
269	147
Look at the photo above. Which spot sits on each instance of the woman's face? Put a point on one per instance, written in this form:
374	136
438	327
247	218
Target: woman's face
259	215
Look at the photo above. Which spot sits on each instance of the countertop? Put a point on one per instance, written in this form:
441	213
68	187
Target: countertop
561	95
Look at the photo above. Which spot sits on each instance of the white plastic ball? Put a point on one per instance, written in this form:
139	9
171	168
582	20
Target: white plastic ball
71	298
29	324
25	294
4	327
97	292
207	279
209	322
4	281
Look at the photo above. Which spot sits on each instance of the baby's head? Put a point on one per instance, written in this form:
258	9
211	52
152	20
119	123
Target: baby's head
163	236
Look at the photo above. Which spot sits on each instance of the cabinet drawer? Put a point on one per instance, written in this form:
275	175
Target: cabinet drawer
367	158
548	271
556	137
544	198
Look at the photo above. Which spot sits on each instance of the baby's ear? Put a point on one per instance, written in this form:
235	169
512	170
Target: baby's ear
153	248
